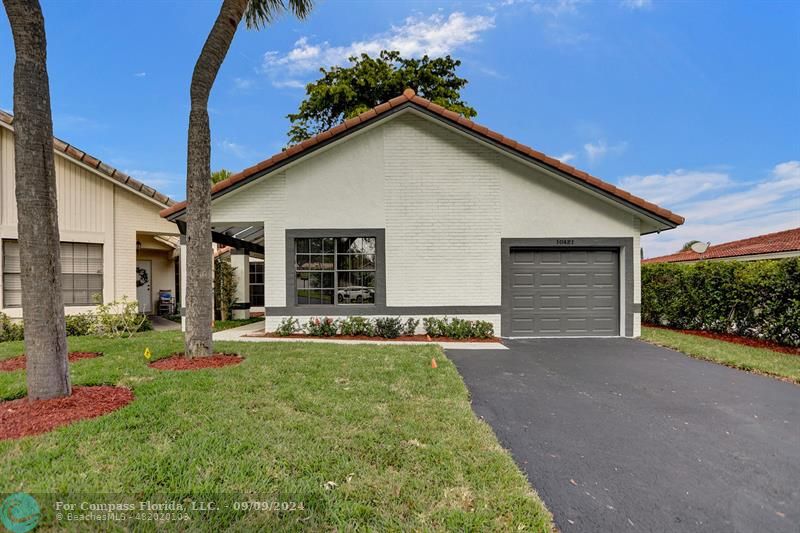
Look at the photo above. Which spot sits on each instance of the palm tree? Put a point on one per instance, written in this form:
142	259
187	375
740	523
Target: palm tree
37	210
199	290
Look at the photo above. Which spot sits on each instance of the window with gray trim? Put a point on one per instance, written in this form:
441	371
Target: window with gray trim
335	270
81	273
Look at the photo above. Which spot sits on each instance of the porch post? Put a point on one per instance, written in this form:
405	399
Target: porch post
240	261
182	303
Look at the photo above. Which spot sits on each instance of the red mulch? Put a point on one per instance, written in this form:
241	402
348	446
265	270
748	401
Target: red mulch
18	363
20	418
736	339
179	361
416	338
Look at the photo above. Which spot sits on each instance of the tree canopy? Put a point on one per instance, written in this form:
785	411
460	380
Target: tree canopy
219	175
344	92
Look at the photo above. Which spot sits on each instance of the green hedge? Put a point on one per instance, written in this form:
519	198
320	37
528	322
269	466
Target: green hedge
758	299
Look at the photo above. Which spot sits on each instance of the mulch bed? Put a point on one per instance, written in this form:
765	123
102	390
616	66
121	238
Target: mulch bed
21	418
179	361
736	339
18	363
415	338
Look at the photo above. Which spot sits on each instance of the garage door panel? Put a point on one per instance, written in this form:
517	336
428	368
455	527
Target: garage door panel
564	292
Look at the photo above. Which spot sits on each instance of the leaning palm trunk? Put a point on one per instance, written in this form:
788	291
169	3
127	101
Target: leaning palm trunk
199	288
37	210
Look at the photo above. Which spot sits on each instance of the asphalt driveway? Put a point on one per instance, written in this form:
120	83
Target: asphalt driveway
620	435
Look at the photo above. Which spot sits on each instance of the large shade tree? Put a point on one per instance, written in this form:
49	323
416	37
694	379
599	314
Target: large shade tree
47	370
344	92
199	289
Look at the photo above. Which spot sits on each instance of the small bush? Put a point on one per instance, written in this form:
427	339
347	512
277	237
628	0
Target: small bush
482	329
120	318
388	327
80	325
357	325
288	326
410	326
325	327
435	327
10	331
759	299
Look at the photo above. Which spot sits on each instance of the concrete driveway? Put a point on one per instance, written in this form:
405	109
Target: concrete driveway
620	435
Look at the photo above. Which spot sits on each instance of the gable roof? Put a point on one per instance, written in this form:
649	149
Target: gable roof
95	164
781	241
410	99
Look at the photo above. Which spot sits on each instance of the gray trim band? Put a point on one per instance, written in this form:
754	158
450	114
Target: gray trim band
637	308
372	310
623	244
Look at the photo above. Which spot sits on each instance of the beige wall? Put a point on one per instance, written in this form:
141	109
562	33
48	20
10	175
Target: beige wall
444	200
91	209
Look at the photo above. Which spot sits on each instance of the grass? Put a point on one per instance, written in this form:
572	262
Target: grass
397	438
760	360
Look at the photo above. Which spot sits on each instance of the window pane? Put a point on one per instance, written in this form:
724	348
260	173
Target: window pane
327	280
11	263
303	262
326	296
314	297
301	246
328	245
302	296
368	245
316	246
343	262
302	280
328	262
344	279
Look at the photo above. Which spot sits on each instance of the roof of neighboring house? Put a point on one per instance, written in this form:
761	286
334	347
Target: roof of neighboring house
409	98
781	241
94	163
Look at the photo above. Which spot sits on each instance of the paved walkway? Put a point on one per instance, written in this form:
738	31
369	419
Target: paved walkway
162	324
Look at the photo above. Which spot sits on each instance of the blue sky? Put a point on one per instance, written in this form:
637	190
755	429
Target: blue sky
693	105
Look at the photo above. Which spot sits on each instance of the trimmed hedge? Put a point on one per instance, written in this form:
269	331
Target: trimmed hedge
759	299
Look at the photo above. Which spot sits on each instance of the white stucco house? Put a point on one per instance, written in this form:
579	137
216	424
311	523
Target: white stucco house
411	210
113	241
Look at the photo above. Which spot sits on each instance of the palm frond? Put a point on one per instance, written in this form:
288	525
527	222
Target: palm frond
259	13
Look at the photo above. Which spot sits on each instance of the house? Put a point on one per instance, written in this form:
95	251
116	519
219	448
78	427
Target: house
113	241
249	287
412	210
776	245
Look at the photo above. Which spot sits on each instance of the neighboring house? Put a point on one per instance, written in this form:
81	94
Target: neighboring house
250	288
770	246
412	210
113	241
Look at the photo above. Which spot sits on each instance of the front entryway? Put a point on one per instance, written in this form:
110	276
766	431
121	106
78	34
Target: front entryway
144	286
558	293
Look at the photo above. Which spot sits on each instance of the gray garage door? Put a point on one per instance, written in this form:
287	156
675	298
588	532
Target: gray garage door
564	292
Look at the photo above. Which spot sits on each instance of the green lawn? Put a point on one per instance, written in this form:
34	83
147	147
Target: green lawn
397	438
730	354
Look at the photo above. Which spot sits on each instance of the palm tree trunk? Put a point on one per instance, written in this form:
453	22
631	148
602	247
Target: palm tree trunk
199	278
37	209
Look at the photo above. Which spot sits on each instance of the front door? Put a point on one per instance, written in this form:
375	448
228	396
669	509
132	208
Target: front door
144	284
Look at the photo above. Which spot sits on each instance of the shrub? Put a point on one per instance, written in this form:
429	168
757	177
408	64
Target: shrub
9	330
435	327
288	326
410	326
325	327
120	318
482	329
224	287
759	299
357	325
79	325
458	328
388	327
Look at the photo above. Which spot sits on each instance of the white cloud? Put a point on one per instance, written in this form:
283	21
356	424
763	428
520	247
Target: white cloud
231	147
674	187
436	35
242	83
288	84
566	157
636	4
548	7
721	210
599	149
140	74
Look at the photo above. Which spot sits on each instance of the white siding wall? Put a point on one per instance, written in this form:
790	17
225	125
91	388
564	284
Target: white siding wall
444	200
90	209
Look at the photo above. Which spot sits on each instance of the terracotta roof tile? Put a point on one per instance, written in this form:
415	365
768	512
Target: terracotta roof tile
781	241
93	162
408	96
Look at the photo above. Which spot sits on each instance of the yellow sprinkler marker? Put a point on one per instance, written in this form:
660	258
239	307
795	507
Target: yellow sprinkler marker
147	354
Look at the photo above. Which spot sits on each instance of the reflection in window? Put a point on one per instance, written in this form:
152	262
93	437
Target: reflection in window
335	270
256	284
